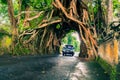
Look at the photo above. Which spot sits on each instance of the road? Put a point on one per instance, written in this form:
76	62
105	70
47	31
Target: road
54	67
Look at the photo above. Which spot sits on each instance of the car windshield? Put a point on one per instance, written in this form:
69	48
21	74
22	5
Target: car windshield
69	46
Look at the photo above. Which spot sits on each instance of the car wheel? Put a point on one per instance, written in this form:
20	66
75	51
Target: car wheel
63	54
72	54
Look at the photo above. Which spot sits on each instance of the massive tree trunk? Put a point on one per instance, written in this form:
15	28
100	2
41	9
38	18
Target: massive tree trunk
13	23
83	50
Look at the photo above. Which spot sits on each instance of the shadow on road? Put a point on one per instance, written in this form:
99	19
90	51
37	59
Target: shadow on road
54	67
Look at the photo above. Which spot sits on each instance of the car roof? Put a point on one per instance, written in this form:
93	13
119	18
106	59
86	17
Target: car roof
69	46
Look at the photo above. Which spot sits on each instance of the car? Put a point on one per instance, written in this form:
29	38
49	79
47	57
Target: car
68	50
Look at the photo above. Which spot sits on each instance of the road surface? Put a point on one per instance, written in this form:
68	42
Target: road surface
54	67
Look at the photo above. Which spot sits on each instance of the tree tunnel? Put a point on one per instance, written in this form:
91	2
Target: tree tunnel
64	16
72	38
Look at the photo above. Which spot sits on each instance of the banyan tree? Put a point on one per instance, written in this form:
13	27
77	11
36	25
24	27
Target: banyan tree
46	22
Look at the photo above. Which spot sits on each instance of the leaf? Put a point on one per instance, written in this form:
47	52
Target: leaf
58	26
4	1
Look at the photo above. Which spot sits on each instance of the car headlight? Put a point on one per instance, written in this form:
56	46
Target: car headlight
71	50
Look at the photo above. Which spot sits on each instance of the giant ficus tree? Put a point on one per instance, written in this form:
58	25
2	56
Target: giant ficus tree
52	20
42	24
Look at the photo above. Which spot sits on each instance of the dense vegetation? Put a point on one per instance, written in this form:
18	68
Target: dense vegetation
38	26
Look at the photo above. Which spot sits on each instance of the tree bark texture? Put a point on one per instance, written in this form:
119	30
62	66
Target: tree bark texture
13	23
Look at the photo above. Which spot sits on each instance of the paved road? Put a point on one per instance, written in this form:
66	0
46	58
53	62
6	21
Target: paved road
49	68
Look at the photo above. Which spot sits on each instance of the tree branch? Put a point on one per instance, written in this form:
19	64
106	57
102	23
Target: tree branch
31	38
49	23
34	17
23	12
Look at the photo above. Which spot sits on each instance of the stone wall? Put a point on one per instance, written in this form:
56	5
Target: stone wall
108	51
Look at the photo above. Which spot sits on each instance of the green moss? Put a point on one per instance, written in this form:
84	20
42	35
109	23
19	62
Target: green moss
111	70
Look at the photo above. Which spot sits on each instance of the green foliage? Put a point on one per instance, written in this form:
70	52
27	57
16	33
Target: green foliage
3	12
37	4
5	42
64	40
58	26
16	7
116	4
69	39
34	23
25	3
20	50
5	29
116	7
111	70
21	27
77	46
3	1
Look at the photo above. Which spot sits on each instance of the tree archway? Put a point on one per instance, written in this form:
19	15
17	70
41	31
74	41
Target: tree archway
65	15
